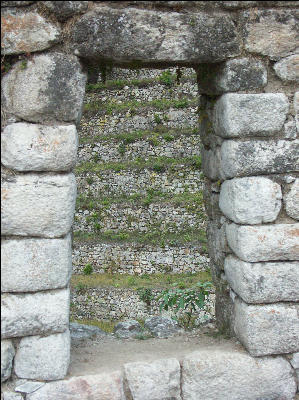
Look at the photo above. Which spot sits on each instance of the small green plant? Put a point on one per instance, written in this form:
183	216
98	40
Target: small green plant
81	287
87	270
23	64
146	295
131	281
89	180
185	301
122	149
157	119
166	78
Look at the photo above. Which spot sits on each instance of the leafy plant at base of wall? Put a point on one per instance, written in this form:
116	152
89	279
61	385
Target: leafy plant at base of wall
87	270
146	295
186	300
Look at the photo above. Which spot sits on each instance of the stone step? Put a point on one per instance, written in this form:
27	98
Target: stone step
126	217
102	124
135	91
127	182
136	259
154	146
145	73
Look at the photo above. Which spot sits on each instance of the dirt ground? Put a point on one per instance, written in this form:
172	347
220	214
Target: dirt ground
106	354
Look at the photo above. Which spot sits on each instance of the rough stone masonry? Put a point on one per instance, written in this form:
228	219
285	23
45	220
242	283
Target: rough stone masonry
246	58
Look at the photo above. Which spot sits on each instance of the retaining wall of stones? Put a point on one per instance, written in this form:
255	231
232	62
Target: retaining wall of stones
106	304
137	258
249	131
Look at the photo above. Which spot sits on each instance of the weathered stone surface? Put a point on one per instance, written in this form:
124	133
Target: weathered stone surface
271	33
292	200
288	68
243	115
161	327
29	387
80	332
32	147
265	242
267	282
103	387
26	32
50	88
29	265
66	9
159	379
295	360
34	313
296	107
251	200
290	130
7	355
127	329
258	157
109	33
12	396
217	243
231	76
267	329
46	358
38	205
247	4
211	163
16	3
234	375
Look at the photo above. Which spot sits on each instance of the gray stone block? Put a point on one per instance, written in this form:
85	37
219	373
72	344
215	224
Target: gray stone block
66	9
267	329
45	358
106	32
7	355
276	242
234	375
103	387
159	379
290	130
12	396
231	76
29	386
271	32
127	329
288	68
251	200
26	32
34	313
258	157
38	205
29	265
50	88
32	147
243	115
295	360
267	282
292	200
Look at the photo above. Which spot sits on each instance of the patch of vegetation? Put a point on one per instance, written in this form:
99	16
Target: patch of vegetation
106	326
131	137
167	78
108	107
140	282
179	298
88	269
155	237
158	164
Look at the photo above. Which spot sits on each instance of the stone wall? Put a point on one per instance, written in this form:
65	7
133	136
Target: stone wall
245	56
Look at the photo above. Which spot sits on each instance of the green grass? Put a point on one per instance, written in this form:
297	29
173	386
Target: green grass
193	202
157	164
155	237
106	326
108	107
153	281
117	84
164	132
